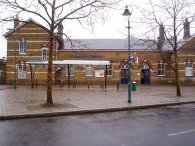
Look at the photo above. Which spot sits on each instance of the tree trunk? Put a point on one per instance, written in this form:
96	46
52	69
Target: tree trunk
177	77
49	74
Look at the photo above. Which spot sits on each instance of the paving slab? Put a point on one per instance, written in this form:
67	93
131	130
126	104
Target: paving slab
27	102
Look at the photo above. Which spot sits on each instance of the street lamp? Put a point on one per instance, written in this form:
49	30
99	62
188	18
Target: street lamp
14	81
127	13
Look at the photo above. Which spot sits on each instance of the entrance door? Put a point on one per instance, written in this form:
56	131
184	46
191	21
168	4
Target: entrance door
145	73
124	76
145	76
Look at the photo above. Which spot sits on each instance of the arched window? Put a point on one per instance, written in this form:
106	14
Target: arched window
145	66
189	68
161	68
22	46
44	52
125	65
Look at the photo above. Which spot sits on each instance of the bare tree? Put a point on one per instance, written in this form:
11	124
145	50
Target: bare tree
54	12
169	16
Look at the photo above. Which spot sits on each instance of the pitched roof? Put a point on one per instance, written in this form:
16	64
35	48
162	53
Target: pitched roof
109	44
185	40
30	20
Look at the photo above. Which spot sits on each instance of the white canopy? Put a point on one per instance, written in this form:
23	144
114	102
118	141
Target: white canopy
77	62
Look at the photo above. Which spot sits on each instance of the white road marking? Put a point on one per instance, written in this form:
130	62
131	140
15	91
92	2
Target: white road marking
182	132
138	142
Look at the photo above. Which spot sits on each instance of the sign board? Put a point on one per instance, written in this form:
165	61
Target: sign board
133	58
22	71
99	73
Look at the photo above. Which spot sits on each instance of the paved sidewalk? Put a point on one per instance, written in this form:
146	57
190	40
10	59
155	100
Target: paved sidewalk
25	102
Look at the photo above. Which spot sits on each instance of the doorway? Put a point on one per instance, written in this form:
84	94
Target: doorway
145	74
124	67
124	76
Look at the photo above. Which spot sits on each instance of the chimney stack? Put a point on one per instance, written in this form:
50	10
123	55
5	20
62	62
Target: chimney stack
16	21
186	29
60	31
162	32
161	37
60	36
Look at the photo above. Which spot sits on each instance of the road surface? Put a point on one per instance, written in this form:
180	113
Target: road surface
168	126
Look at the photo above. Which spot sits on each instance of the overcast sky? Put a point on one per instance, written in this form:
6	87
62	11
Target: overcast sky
114	27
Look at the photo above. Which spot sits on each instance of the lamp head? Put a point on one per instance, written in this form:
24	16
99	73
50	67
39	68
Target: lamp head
126	12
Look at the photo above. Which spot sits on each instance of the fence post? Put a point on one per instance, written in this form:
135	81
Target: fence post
36	83
117	86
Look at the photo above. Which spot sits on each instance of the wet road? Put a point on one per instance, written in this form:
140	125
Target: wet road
169	126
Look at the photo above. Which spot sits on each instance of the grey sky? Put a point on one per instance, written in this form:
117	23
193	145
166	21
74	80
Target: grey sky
114	27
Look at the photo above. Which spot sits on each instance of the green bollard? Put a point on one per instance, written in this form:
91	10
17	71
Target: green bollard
133	86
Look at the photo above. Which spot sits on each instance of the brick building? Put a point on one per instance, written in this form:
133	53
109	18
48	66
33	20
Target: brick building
2	71
29	41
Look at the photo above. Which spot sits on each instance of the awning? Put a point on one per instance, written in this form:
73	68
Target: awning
76	62
63	62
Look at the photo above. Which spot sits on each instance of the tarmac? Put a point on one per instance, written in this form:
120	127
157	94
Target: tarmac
27	102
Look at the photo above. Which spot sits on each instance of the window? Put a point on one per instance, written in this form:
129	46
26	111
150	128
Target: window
189	68
145	66
44	53
22	46
125	66
89	71
71	69
109	70
161	68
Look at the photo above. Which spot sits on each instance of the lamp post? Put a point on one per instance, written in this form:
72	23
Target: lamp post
14	81
127	13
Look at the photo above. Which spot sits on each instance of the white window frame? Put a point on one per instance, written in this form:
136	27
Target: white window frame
71	68
89	71
145	66
125	66
109	68
189	69
22	46
160	70
44	57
